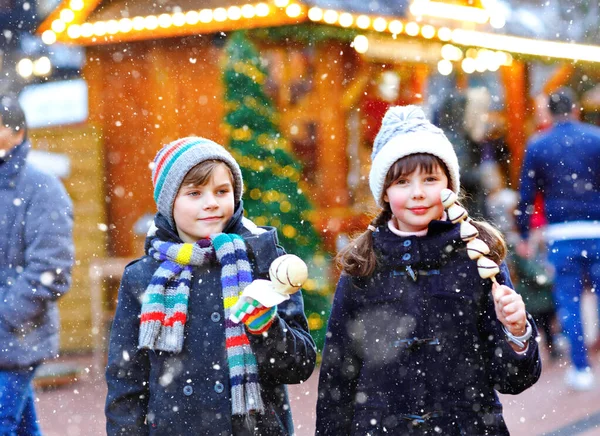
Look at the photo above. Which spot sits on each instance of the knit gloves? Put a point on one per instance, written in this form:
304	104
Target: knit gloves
257	306
255	316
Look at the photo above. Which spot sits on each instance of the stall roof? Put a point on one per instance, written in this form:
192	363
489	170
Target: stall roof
494	27
91	22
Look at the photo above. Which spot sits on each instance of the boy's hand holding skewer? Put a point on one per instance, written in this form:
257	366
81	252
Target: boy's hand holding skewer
257	305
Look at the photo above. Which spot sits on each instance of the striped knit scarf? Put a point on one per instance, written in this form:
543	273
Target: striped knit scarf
165	302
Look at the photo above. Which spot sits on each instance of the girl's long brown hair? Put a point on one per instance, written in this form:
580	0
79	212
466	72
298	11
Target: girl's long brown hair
358	257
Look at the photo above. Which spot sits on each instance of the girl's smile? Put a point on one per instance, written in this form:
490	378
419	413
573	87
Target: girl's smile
419	210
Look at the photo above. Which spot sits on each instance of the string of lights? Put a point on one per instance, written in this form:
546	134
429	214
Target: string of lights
68	24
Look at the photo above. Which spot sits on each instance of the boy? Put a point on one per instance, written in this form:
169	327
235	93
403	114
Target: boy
177	364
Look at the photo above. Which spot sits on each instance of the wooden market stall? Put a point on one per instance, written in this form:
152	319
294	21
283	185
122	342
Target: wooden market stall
154	74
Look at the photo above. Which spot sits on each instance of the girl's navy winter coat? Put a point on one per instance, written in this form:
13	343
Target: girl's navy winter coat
160	393
416	347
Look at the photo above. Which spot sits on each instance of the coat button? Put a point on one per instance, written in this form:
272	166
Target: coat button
407	243
219	387
406	256
188	390
215	316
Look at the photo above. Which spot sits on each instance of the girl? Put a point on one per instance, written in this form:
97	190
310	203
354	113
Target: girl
415	341
177	363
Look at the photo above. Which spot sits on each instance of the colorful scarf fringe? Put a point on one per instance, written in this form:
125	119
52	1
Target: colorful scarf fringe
243	369
165	303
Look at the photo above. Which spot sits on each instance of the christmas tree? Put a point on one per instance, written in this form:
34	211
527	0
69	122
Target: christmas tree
275	192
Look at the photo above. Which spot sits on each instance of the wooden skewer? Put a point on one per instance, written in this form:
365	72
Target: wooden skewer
458	214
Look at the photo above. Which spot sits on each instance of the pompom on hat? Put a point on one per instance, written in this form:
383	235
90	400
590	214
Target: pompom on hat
405	131
176	159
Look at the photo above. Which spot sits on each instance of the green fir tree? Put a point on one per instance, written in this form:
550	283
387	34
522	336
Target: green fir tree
274	191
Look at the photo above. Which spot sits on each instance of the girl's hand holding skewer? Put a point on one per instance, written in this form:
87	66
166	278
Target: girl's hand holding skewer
510	310
509	306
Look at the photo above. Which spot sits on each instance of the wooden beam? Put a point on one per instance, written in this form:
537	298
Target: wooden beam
516	88
560	78
332	167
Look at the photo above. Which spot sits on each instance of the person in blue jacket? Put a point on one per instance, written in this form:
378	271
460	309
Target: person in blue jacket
563	164
177	363
418	343
36	257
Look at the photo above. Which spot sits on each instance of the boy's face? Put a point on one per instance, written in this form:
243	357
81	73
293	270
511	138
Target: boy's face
415	199
201	211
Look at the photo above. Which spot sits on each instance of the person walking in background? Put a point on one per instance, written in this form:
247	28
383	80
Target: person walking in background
178	364
417	341
563	164
36	256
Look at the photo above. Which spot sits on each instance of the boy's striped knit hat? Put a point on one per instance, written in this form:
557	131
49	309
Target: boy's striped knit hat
176	159
404	131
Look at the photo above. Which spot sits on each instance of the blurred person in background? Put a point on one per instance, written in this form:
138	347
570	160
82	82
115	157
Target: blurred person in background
562	163
36	256
462	116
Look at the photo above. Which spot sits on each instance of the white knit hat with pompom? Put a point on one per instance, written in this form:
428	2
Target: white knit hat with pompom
405	131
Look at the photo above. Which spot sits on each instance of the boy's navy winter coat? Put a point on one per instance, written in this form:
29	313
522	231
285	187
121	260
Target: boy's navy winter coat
417	345
159	393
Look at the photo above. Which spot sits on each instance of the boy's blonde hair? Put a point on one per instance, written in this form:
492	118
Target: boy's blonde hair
201	173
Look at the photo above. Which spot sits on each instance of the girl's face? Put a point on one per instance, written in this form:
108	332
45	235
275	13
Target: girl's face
203	210
415	198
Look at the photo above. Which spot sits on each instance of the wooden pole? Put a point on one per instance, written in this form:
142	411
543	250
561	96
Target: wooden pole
332	167
514	78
